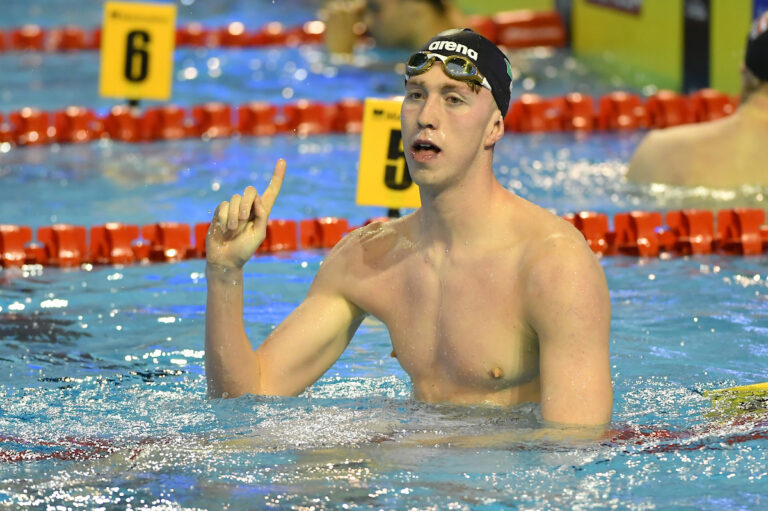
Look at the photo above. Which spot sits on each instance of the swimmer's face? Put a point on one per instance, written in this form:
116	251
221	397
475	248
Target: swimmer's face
447	125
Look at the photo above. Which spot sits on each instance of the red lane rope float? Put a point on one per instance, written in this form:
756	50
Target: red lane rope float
739	231
617	111
31	126
513	29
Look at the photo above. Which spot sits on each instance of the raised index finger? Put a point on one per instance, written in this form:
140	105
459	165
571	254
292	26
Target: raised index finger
270	194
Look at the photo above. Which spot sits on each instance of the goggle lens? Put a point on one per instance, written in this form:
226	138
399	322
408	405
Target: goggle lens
459	67
418	61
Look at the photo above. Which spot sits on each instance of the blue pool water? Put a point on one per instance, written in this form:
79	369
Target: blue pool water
102	367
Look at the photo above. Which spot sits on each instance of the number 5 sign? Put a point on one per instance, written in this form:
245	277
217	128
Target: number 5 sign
137	43
383	178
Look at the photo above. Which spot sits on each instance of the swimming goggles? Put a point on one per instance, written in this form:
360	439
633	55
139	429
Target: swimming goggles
456	66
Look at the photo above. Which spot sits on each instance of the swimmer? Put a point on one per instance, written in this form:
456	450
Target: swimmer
725	153
488	298
391	23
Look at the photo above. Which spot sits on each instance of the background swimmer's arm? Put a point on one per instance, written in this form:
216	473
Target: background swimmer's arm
343	19
569	308
646	160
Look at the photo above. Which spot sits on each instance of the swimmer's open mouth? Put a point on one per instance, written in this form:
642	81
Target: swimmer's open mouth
425	145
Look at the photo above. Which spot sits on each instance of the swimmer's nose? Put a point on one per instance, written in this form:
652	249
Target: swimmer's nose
428	114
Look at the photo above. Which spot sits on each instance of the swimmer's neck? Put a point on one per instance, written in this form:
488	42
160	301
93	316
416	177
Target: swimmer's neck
460	215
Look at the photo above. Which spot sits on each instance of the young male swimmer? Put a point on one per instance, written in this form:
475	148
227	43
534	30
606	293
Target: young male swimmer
487	297
726	153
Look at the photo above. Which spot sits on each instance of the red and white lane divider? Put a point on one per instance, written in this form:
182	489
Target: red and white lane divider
637	233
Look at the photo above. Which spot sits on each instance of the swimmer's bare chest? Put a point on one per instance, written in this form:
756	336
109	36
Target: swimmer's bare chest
457	328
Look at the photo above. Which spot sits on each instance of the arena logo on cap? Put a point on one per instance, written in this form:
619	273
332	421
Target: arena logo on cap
453	46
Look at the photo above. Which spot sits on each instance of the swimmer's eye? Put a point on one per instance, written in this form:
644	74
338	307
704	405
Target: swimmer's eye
413	94
454	100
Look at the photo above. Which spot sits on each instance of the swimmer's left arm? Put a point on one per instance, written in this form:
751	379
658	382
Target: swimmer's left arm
569	308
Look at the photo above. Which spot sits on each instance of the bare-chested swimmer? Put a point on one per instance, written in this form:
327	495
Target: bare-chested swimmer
487	297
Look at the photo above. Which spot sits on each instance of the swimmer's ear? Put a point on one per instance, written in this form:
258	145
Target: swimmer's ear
497	129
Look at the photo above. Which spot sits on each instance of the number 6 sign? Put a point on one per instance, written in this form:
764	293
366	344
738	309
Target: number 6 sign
137	43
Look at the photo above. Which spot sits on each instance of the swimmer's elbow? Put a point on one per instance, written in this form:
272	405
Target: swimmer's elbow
228	377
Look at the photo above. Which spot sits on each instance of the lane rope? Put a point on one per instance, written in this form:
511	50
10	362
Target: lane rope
739	231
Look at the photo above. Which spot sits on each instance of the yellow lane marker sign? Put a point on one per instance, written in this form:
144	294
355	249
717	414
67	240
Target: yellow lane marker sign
383	178
137	41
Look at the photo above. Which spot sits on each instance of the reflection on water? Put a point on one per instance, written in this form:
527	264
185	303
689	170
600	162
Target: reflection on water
376	451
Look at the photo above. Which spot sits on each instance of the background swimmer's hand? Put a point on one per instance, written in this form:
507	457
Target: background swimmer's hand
239	226
343	25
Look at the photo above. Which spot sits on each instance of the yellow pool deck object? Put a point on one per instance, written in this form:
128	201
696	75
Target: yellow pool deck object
746	398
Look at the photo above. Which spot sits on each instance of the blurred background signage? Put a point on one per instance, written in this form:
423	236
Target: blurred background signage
630	6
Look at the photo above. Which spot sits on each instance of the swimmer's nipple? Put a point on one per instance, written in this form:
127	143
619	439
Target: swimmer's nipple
393	354
497	372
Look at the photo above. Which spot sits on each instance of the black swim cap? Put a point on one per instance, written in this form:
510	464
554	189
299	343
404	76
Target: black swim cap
757	48
489	59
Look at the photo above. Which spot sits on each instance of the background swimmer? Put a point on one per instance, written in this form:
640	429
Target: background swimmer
724	153
391	23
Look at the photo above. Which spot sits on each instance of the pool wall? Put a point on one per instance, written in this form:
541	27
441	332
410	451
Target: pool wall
676	44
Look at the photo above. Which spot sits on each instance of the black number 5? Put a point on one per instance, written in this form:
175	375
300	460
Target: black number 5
394	155
136	56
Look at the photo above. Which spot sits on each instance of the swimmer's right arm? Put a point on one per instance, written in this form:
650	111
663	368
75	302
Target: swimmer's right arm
299	350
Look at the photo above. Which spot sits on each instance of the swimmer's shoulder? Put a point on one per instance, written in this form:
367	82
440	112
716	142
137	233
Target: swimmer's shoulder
542	225
559	272
540	236
674	155
557	250
372	242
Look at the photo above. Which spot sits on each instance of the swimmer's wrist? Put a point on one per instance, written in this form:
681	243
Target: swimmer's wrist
218	269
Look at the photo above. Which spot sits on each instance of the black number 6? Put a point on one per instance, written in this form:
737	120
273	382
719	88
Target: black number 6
136	56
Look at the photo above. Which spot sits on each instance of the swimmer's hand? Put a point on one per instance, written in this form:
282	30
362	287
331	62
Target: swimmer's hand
239	226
